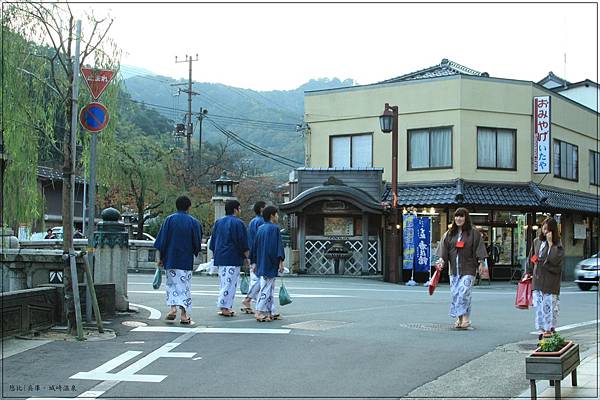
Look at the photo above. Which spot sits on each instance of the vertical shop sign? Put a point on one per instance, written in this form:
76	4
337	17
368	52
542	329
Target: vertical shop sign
408	236
541	135
423	244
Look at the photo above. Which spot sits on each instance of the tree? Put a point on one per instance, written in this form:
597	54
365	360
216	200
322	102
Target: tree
52	27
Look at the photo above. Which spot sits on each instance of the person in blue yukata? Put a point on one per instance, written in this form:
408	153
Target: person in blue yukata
267	253
253	226
229	243
178	241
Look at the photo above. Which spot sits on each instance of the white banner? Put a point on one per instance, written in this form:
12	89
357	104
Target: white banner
541	135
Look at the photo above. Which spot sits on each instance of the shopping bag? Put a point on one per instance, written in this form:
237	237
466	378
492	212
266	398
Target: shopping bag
484	273
284	296
244	284
524	294
435	279
157	278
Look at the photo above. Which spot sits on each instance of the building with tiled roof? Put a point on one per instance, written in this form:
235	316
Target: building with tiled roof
465	139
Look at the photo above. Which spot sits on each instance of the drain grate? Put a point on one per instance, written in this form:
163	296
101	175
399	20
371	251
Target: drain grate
427	326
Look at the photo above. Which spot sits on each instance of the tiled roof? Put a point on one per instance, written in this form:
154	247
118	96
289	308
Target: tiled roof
444	68
54	174
561	200
459	192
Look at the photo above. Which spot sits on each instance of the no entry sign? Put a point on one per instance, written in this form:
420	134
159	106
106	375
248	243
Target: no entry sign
94	117
97	80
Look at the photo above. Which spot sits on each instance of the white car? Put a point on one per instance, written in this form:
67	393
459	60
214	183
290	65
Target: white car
586	272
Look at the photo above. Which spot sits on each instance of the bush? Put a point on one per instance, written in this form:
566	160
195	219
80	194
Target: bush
553	343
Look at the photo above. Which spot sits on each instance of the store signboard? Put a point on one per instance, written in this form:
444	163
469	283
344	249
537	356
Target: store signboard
541	135
579	231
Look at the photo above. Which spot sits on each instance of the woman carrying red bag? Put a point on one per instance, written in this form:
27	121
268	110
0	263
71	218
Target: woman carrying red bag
546	263
463	248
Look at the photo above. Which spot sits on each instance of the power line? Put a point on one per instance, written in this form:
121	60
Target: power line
255	148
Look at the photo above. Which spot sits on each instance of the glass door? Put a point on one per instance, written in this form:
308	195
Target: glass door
501	251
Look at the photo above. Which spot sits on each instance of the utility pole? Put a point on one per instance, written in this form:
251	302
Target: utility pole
189	127
201	115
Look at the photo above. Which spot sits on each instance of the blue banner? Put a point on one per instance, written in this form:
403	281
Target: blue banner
422	245
408	239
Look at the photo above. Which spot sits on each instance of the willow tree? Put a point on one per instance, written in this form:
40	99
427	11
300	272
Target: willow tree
48	32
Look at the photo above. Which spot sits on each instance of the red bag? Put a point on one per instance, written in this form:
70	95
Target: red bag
524	294
434	280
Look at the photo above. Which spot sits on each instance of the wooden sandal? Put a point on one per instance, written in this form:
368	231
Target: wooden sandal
226	314
275	317
247	310
186	321
171	316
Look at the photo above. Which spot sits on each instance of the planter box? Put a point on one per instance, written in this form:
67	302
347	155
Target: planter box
552	366
555	367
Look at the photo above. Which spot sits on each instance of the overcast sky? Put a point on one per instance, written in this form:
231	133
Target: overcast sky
281	46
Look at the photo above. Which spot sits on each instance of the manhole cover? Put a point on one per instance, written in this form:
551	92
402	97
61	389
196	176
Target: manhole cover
316	325
134	324
428	326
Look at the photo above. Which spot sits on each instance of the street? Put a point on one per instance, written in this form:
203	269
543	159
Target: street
341	337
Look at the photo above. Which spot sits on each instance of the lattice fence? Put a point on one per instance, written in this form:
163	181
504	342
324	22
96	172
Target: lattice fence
317	264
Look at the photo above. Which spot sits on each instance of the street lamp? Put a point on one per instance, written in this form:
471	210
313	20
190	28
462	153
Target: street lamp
388	122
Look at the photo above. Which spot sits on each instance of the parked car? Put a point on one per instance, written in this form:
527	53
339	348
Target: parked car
586	272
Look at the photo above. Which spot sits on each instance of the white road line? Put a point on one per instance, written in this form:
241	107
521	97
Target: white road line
216	293
572	326
154	313
178	329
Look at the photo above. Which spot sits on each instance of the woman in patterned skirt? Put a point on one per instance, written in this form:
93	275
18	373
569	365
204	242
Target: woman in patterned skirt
546	260
463	248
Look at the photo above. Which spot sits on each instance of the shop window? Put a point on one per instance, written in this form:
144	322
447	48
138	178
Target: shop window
566	160
430	148
351	151
496	148
594	168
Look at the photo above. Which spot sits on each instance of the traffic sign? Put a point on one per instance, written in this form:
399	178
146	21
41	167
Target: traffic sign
97	80
94	117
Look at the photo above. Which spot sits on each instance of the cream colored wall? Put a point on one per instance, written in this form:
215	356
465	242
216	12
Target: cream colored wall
460	102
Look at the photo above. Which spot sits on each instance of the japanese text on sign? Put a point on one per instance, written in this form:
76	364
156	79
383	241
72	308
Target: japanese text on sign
541	135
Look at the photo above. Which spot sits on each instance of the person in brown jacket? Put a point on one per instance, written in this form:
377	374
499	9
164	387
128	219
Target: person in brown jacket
464	249
546	259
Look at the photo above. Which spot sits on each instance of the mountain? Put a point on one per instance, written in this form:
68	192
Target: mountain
270	120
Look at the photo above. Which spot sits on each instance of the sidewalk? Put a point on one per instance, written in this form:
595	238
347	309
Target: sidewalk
587	381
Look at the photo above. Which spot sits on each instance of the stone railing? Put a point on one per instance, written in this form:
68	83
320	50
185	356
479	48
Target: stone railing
29	268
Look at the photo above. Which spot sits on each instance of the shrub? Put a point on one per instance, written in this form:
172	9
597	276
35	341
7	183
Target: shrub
553	343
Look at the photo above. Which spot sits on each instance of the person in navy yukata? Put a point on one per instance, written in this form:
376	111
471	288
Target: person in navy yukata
253	226
178	241
267	253
229	243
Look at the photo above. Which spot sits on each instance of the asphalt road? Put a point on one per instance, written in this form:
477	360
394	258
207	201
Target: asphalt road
341	337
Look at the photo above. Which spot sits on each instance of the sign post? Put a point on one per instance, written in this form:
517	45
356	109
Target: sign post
94	118
541	135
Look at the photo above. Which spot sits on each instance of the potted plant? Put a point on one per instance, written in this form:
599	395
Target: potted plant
553	360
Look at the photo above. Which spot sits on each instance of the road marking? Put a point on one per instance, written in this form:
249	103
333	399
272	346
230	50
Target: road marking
129	374
196	358
216	293
572	326
154	313
178	329
136	342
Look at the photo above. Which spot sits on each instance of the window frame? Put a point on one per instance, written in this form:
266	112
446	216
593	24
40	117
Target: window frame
351	135
409	152
514	132
593	156
557	160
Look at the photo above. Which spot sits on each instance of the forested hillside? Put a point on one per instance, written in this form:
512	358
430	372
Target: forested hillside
271	120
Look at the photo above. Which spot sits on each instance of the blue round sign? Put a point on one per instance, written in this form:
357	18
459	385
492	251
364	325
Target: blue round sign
94	117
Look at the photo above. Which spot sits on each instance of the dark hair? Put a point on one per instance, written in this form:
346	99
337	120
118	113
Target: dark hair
49	230
552	226
258	206
268	212
230	206
461	212
183	203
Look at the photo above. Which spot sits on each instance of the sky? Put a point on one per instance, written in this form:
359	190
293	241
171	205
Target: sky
280	46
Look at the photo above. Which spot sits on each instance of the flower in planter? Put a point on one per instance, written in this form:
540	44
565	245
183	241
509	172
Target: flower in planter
553	343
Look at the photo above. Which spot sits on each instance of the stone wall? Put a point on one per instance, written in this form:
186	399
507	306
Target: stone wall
28	269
